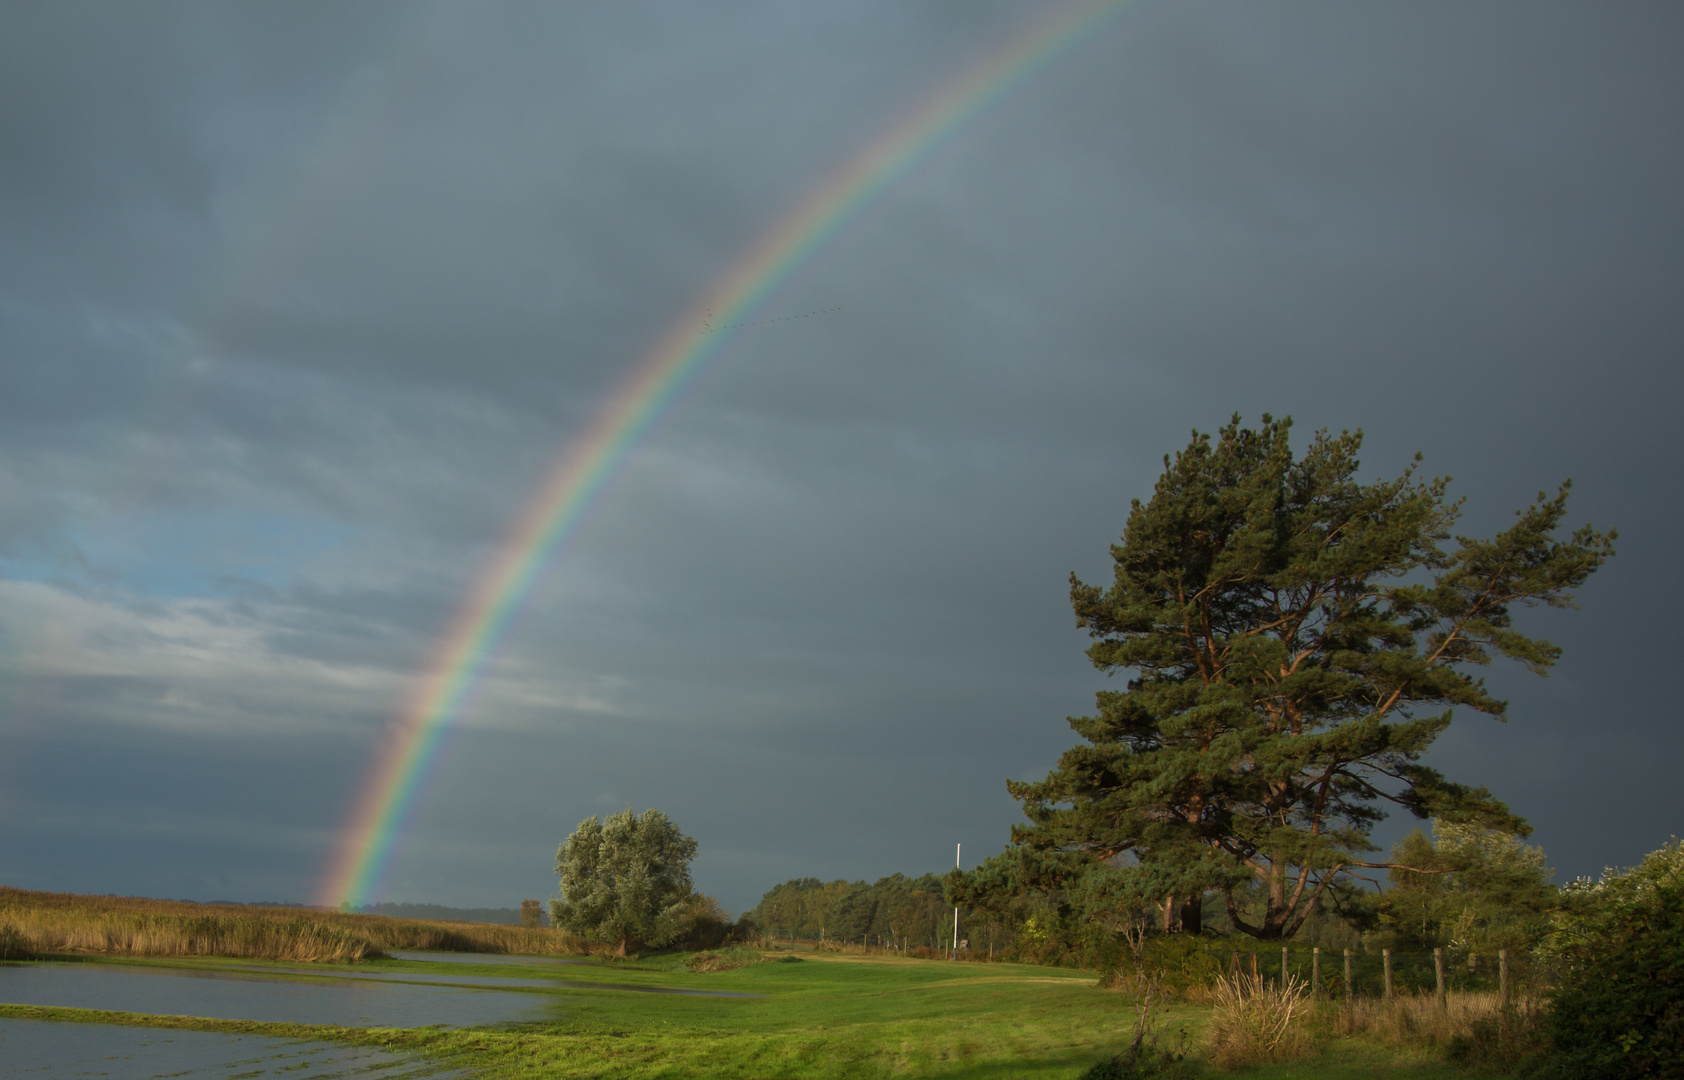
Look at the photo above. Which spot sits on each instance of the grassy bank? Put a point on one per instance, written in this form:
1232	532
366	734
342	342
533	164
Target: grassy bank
46	923
830	1016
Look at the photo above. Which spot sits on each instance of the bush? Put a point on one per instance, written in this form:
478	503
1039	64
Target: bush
706	925
1183	962
1617	1010
737	956
1257	1021
1146	1063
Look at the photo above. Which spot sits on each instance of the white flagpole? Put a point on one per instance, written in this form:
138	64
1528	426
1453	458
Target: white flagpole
956	849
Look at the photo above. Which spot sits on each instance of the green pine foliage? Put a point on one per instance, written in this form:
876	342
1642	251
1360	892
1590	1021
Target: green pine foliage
1294	640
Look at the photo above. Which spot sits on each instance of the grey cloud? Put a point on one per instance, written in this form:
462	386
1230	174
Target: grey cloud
299	303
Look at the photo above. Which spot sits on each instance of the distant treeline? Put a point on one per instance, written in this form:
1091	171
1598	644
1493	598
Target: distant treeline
912	914
895	912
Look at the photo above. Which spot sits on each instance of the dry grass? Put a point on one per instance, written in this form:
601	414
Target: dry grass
1413	1020
130	926
12	944
1257	1021
730	959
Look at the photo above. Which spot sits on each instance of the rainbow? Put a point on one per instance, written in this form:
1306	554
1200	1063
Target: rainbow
412	743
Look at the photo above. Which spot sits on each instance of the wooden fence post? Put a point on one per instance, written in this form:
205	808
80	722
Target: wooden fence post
1386	957
1283	969
1438	968
1255	978
1503	977
1315	971
1350	987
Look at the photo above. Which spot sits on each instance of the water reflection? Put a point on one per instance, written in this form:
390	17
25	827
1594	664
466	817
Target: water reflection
376	974
239	996
489	981
50	1050
436	978
481	958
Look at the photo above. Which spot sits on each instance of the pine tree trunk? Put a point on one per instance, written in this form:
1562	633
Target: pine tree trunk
1193	915
1274	917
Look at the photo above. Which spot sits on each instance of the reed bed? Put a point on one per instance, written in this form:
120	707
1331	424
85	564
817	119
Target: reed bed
1257	1021
38	923
1409	1020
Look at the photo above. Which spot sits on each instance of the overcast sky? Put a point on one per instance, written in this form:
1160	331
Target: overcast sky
298	302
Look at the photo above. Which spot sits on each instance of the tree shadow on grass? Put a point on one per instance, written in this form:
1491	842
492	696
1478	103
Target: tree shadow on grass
1065	1066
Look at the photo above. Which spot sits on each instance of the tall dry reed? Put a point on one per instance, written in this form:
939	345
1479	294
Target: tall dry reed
1258	1021
12	944
1413	1020
47	923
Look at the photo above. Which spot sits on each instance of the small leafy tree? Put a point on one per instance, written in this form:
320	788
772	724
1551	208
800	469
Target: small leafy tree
625	881
1467	888
706	924
531	913
1296	640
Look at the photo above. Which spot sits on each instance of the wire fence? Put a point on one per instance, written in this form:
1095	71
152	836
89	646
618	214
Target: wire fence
1330	972
1383	972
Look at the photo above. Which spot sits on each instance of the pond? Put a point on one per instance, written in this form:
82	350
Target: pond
492	982
50	1051
481	958
360	996
241	995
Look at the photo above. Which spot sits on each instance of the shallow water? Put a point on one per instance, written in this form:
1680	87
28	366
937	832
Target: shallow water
447	977
480	958
492	981
55	1051
241	996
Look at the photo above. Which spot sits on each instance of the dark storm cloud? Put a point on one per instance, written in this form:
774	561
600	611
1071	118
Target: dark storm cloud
299	302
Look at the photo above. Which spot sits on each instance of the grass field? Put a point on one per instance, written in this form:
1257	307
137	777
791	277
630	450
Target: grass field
821	1016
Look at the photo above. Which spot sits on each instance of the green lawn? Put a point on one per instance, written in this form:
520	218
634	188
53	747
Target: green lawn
823	1016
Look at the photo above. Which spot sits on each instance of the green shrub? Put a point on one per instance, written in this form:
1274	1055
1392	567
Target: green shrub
1617	1010
706	925
737	956
1146	1063
1184	961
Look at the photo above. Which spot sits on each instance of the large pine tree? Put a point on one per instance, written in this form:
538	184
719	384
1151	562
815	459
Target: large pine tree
1295	640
